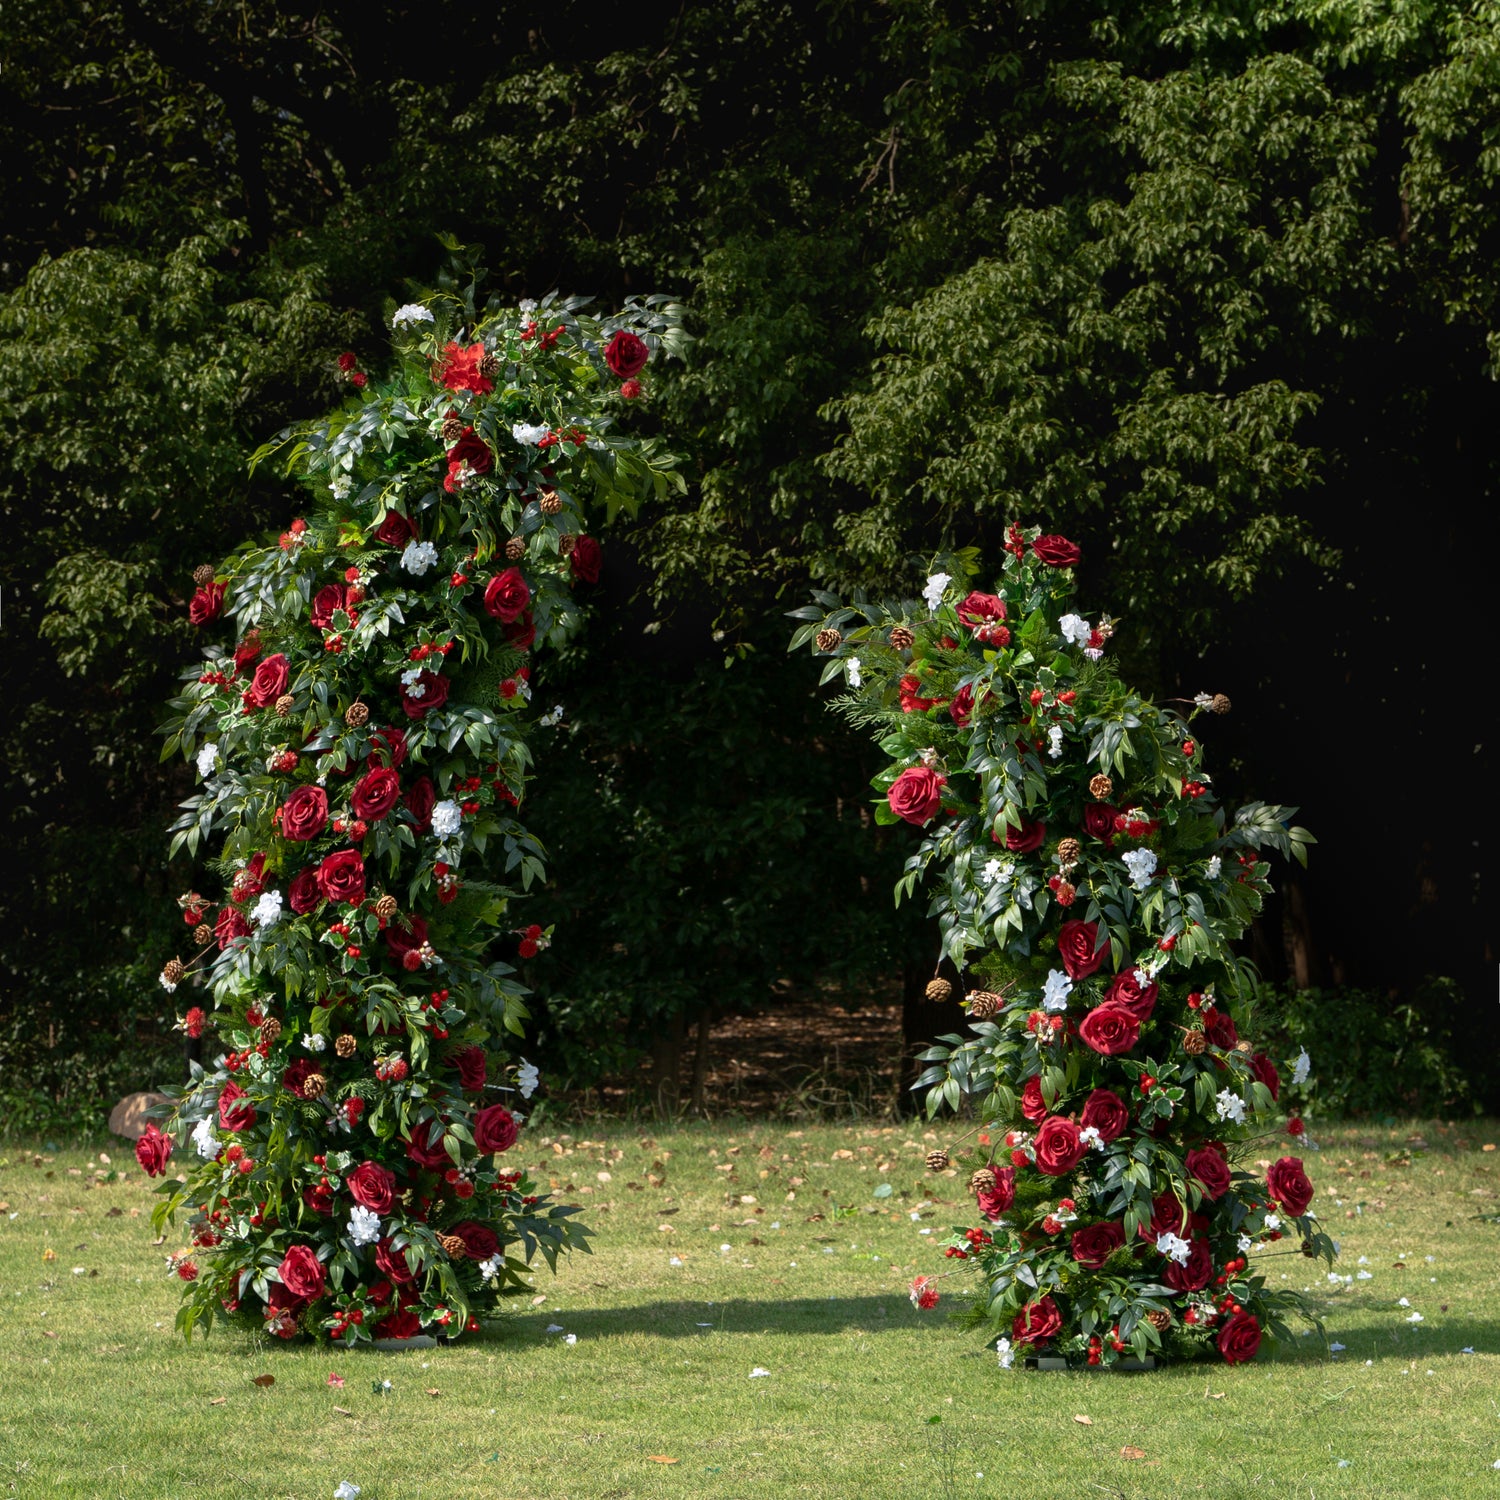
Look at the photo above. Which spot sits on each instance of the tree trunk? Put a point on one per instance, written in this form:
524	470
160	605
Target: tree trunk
666	1057
706	1019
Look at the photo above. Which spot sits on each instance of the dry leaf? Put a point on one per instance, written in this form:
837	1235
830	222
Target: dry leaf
659	1458
219	1401
1488	1146
432	1390
49	1253
537	1301
263	1380
343	1411
1084	1421
1129	1452
47	1333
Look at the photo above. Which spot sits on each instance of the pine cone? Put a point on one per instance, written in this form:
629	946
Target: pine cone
1220	704
346	1045
1244	1047
515	548
937	1161
1309	1249
386	908
1194	1043
203	934
203	575
284	705
453	1246
270	1029
565	544
550	502
357	715
902	638
314	1086
828	640
938	990
984	1004
1069	851
173	970
1160	1319
453	427
489	367
1100	787
982	1181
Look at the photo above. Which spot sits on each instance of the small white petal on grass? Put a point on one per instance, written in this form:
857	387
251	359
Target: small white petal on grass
346	1491
1402	1302
757	1372
572	1338
675	1261
554	1328
1336	1348
1415	1317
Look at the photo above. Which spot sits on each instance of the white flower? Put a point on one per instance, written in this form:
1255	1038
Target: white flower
314	1043
1006	1354
932	592
1214	866
1272	1222
1090	1136
549	721
1075	629
491	1267
527	434
996	869
364	1225
206	758
758	1372
1142	865
169	985
1055	735
267	911
1363	1276
1415	1317
527	304
1174	1246
571	1338
1056	991
853	669
410	314
1203	700
1246	1244
1302	1067
414	689
447	819
340	486
419	557
1231	1107
347	1491
205	1140
527	1078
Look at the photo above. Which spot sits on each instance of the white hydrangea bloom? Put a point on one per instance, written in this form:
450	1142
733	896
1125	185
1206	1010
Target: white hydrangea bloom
204	1139
1055	735
1075	630
995	869
932	592
1231	1107
419	557
1214	866
364	1225
854	669
408	316
447	819
414	689
1142	865
267	911
1302	1067
1005	1354
1245	1244
550	721
527	304
1056	991
1174	1247
207	756
340	486
1091	1138
1273	1221
1203	700
346	1491
527	1078
490	1267
314	1043
528	434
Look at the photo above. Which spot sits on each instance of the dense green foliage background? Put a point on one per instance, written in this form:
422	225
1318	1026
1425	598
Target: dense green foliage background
1211	289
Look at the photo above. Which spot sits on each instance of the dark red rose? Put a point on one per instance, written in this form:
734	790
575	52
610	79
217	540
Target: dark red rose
371	1186
1239	1339
1056	551
472	450
434	694
281	1298
304	894
304	814
246	652
269	682
1095	1243
296	1074
375	794
992	1205
1126	991
1107	1113
961	709
1220	1029
329	599
404	1324
494	1129
1027	837
1265	1072
319	1198
405	935
234	1112
480	1241
389	745
301	1273
426	1146
392	1264
152	1151
1167	1215
626	354
1110	1030
341	877
1289	1186
506	596
1196	1272
229	926
981	610
520	633
396	530
207	604
461	369
1058	1146
421	798
470	1063
1036	1322
586	560
1099	821
1078	948
1033	1106
1211	1170
916	794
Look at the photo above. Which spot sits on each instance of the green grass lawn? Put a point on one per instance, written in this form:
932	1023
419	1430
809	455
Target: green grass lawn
740	1247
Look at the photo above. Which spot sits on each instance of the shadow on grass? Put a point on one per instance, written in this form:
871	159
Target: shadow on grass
686	1319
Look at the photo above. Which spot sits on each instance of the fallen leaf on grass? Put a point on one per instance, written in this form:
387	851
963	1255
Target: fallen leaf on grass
115	1213
49	1253
335	1379
48	1333
219	1401
1129	1452
660	1458
343	1411
1084	1421
432	1390
1488	1146
263	1380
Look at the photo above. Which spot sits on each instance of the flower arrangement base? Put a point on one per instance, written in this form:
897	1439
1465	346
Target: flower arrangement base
1045	1362
398	1346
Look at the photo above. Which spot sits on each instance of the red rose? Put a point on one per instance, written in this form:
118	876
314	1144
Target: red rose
1265	1072
1027	837
403	939
626	355
341	877
404	1324
1167	1214
426	1146
461	372
494	1129
1059	1146
480	1241
520	633
229	926
1289	1186
981	611
207	604
1078	947
961	709
1220	1028
470	449
1239	1339
916	794
1106	1112
234	1113
1211	1170
375	794
911	702
301	1273
1095	1243
992	1205
470	1063
389	744
269	682
396	530
326	603
421	798
296	1074
152	1151
1056	551
304	893
304	815
1110	1030
506	596
392	1264
246	652
372	1187
1126	991
1036	1322
586	560
1196	1272
1099	821
434	694
1033	1106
